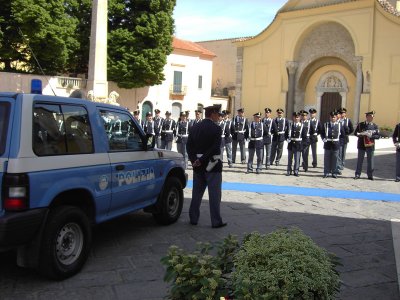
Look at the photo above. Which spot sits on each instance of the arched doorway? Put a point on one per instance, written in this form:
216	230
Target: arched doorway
329	102
146	107
176	110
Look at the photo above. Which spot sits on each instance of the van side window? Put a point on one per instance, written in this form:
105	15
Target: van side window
61	130
121	131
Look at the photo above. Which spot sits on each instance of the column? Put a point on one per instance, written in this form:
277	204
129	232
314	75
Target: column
239	74
358	90
291	67
97	74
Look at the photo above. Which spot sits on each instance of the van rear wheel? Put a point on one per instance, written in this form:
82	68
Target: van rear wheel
66	243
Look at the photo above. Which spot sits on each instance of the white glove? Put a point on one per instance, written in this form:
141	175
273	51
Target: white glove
324	140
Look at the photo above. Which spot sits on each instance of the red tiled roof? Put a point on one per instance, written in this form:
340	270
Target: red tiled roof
191	46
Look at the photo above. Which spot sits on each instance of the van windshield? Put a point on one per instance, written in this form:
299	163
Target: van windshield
4	119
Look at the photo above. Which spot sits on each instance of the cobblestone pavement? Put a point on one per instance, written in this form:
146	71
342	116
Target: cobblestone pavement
125	260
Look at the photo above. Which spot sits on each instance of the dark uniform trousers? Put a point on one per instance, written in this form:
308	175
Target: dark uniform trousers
203	144
362	149
348	127
228	142
278	140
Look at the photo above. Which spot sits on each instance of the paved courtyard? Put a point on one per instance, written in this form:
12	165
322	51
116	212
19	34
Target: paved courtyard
125	260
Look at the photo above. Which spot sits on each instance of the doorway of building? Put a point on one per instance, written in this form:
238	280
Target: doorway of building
329	102
146	107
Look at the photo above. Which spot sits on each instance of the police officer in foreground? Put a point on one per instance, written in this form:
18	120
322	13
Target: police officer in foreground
257	130
316	129
396	142
239	135
270	131
168	131
330	135
367	132
279	137
204	152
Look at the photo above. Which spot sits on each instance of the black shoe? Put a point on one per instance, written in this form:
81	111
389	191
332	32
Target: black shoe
325	176
230	166
193	223
266	167
219	225
258	171
243	162
277	163
357	177
397	180
370	178
296	174
334	175
288	173
339	172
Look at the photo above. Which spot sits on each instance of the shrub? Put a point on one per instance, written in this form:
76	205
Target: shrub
199	275
285	264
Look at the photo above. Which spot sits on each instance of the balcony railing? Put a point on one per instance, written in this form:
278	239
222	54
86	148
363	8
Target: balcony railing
71	83
176	89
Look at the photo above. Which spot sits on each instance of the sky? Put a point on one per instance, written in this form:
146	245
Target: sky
223	19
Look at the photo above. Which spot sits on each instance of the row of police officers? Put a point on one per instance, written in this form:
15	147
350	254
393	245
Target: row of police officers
266	136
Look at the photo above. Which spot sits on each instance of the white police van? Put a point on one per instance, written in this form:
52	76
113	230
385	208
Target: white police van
67	164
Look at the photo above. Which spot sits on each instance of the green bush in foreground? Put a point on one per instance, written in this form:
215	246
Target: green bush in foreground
285	264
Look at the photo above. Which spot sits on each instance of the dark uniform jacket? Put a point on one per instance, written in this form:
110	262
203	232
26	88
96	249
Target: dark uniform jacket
295	134
316	128
308	129
168	130
396	136
204	142
240	128
257	130
228	133
148	127
349	129
157	125
331	135
271	129
365	142
224	130
182	131
282	125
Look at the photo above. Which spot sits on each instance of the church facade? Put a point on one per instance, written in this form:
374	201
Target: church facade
324	55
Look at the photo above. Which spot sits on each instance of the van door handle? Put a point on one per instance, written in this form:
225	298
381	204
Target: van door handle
119	167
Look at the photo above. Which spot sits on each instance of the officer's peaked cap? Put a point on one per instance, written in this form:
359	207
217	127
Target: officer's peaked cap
312	110
148	114
280	110
258	115
267	110
240	110
370	113
216	108
157	111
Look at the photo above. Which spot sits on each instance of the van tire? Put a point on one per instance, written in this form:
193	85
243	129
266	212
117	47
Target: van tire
170	202
66	243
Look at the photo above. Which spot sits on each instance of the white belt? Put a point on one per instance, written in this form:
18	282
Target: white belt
182	135
332	140
199	155
308	135
222	135
281	132
315	133
256	139
167	131
240	131
296	139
